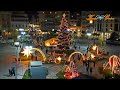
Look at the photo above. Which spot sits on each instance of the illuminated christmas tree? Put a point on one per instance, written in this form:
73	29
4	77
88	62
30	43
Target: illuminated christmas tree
64	34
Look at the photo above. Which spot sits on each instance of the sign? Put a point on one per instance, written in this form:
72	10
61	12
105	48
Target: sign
92	17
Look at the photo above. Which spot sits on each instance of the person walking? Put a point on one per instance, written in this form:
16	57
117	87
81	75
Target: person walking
46	51
36	58
13	70
90	70
83	62
87	69
94	63
10	72
32	57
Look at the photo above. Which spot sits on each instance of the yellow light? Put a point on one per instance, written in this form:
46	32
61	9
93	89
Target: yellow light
94	47
91	21
92	56
27	52
59	58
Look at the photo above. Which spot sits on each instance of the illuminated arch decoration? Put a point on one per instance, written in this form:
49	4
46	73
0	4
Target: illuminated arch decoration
41	52
76	53
70	71
114	62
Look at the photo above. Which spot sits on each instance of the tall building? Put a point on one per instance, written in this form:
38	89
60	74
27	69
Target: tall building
85	23
104	27
117	24
19	21
5	20
50	20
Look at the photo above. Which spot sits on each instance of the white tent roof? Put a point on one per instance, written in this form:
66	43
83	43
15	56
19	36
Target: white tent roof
35	63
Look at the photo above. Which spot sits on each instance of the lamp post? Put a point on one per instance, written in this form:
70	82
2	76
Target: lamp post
88	34
16	66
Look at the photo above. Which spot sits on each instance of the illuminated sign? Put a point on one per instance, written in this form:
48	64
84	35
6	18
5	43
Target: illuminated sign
92	17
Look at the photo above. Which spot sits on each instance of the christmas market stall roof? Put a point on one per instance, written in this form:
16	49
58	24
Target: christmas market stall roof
83	76
35	63
39	72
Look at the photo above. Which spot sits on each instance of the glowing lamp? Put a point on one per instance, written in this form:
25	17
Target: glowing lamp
89	34
91	21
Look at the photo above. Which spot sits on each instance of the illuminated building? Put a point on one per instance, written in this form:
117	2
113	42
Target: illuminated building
50	20
5	20
19	21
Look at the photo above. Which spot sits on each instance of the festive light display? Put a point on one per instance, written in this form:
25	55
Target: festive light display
114	62
95	48
27	51
70	71
64	35
92	17
41	52
83	57
58	60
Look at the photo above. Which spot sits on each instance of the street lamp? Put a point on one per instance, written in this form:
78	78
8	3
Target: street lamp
16	45
88	34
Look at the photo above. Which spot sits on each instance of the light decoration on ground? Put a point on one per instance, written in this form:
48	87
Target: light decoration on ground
70	71
92	56
95	48
83	57
114	62
27	51
58	60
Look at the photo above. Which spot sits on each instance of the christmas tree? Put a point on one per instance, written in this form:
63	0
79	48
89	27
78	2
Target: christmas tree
64	34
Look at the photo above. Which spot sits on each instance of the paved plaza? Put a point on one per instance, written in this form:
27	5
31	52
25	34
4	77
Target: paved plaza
8	54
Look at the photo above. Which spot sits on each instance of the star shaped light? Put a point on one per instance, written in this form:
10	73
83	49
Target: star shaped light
27	51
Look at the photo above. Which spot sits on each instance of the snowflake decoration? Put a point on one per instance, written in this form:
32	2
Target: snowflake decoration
27	51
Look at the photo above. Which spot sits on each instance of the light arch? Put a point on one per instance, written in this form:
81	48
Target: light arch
76	53
41	52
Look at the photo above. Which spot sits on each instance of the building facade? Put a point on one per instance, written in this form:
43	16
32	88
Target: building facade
50	20
104	27
19	21
5	20
117	25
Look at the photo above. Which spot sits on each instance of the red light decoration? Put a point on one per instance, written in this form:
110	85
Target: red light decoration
114	62
70	71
